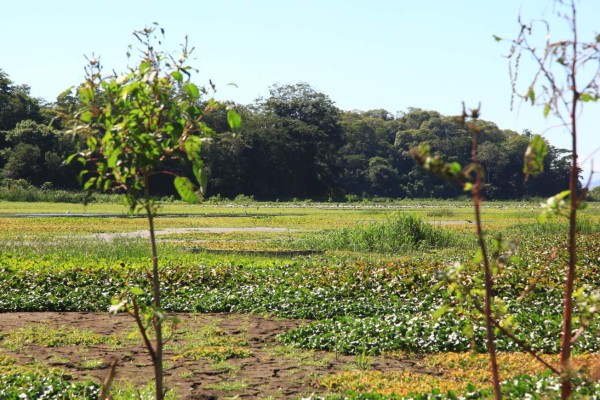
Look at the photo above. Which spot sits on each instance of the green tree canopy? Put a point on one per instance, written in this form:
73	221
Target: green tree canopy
16	104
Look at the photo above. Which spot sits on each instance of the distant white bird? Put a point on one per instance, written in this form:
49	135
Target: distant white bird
68	212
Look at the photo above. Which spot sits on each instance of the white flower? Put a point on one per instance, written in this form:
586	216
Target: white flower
115	308
121	79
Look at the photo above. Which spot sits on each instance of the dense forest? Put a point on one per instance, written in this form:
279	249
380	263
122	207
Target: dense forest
294	144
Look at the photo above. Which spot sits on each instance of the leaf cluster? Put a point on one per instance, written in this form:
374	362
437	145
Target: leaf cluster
135	123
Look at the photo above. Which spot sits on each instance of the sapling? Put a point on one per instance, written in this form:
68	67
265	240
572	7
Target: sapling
566	75
470	178
131	124
556	85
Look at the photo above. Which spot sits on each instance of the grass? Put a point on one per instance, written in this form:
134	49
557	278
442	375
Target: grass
92	364
301	357
441	212
127	391
226	366
364	362
556	227
45	336
400	233
226	386
210	343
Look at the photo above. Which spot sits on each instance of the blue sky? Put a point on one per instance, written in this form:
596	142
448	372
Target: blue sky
430	54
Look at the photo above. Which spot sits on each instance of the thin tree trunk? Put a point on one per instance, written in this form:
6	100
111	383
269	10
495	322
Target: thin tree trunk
157	322
489	323
565	346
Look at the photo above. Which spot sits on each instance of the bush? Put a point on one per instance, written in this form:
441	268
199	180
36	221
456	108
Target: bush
594	194
22	190
403	232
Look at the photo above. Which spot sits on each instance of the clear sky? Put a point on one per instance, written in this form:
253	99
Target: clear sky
392	54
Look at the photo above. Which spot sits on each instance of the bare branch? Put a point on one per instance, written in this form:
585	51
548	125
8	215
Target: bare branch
535	280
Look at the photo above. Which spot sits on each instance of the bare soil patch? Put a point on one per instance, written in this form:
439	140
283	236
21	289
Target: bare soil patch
269	370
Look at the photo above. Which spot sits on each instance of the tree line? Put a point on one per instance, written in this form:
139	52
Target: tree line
293	144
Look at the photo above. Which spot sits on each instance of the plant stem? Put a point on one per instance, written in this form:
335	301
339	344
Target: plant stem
156	319
565	345
488	298
489	328
521	344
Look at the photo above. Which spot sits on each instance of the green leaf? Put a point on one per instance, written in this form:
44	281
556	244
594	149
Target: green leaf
193	147
440	311
586	97
144	67
89	183
200	173
112	159
534	157
178	76
467	330
478	257
234	120
185	188
508	322
136	291
531	95
192	91
125	91
547	108
85	94
71	157
497	38
562	194
454	168
65	93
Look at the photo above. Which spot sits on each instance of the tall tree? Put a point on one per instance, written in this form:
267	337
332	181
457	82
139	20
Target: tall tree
292	139
16	104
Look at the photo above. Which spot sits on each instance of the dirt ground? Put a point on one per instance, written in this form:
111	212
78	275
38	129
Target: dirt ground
269	371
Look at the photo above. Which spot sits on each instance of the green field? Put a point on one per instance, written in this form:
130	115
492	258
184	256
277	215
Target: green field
366	292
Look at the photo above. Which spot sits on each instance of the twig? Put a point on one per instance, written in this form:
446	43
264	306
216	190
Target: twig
143	331
535	280
520	343
106	384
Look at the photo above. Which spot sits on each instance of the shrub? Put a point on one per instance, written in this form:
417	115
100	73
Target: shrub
402	233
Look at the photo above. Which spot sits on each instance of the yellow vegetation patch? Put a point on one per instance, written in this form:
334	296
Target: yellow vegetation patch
212	342
6	360
41	335
445	371
218	353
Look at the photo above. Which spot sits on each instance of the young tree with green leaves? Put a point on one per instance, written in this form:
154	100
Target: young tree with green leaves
131	125
556	86
565	76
